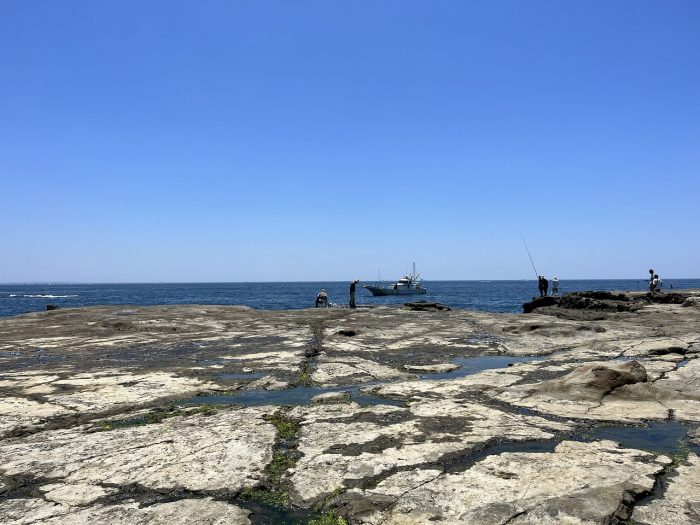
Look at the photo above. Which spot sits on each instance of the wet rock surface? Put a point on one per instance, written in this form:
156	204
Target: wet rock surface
212	414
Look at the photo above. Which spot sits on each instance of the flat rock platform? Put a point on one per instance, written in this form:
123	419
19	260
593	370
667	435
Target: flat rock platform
584	411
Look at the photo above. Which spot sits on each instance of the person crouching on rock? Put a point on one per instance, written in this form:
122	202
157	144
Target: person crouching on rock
322	299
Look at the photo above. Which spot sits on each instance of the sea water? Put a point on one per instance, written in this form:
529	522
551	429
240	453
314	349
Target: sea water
491	296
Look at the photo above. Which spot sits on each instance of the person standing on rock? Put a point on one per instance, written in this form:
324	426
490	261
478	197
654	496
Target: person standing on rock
545	285
651	280
555	286
352	293
540	286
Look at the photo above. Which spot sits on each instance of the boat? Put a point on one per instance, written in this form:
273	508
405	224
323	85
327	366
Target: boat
409	284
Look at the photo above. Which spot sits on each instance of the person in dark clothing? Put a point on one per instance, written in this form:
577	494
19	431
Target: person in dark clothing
322	299
545	285
651	280
540	285
352	293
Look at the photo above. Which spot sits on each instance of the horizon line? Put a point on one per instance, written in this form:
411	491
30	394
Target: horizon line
50	283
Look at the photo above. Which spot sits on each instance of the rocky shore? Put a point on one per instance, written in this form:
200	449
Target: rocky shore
584	411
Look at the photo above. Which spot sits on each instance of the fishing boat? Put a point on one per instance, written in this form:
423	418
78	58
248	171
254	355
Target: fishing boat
409	284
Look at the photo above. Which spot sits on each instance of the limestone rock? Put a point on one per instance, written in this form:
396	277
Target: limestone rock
694	436
680	503
331	371
267	383
204	511
424	306
331	397
692	301
539	302
18	412
87	393
476	447
227	451
592	382
75	493
579	483
361	443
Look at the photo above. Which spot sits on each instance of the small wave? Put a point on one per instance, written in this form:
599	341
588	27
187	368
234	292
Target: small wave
46	296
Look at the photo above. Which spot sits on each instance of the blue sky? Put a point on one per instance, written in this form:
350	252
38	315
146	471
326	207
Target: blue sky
315	140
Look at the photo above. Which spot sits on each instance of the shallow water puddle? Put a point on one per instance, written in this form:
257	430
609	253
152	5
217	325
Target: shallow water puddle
472	365
292	396
664	437
262	514
303	395
531	446
243	375
656	436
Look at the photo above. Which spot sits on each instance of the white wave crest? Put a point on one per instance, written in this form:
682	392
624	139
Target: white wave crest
46	296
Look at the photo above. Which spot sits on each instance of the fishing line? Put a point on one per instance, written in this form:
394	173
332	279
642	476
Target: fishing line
530	256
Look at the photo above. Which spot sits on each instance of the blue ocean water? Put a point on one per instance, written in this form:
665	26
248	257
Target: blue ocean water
492	296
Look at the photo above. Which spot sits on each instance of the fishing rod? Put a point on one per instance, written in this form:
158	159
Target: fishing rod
530	256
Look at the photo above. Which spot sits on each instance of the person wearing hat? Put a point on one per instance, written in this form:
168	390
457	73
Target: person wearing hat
322	299
555	286
352	293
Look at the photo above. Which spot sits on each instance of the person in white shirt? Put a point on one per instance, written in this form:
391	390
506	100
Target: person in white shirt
555	286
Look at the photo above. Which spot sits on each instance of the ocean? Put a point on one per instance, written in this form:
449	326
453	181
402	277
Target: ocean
491	296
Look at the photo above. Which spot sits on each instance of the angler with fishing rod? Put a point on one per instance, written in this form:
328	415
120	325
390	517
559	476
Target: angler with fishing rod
542	282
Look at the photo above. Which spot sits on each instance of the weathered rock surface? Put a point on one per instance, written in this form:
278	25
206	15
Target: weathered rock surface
425	306
680	504
592	382
599	391
227	452
204	511
331	397
692	301
579	483
539	302
364	443
694	436
102	421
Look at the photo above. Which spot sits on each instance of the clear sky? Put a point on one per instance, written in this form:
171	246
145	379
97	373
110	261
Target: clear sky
315	140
